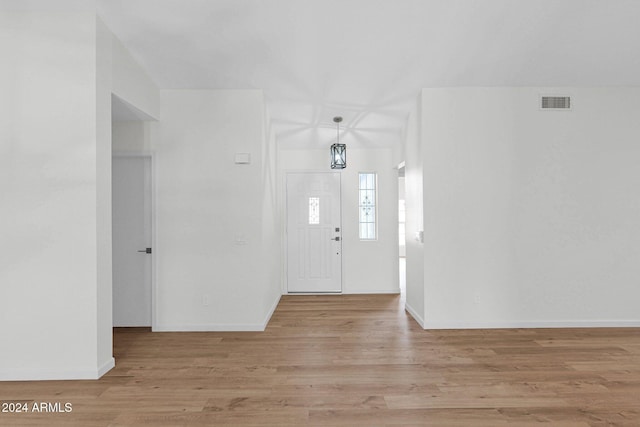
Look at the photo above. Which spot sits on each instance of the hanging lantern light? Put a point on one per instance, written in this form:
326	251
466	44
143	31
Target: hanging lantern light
338	151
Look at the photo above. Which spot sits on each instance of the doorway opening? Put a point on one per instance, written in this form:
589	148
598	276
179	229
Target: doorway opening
132	240
133	297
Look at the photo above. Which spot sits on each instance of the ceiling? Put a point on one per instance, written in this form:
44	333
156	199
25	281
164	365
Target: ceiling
366	60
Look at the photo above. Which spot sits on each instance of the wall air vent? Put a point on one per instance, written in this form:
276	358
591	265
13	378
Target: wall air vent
555	102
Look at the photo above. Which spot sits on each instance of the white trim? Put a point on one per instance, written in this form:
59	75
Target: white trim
270	312
154	264
210	327
221	327
106	367
26	374
414	314
535	324
314	293
373	291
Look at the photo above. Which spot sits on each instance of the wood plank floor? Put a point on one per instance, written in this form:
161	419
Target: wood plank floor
352	360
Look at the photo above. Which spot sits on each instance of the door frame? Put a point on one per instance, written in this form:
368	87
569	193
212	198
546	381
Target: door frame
401	168
152	176
285	233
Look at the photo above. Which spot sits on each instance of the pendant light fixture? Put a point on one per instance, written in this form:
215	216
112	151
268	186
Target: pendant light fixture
338	151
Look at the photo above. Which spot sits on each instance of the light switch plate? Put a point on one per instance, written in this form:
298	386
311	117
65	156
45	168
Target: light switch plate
243	158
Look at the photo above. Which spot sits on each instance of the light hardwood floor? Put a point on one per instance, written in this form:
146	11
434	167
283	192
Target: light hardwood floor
353	360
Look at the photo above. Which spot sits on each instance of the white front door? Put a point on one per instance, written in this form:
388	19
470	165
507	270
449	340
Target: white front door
314	232
131	209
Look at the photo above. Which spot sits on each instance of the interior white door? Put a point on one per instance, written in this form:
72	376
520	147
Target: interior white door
314	237
131	209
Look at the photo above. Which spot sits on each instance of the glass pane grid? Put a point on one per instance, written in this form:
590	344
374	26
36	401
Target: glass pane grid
314	210
367	206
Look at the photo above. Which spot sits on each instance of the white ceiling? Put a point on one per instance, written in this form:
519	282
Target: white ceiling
366	60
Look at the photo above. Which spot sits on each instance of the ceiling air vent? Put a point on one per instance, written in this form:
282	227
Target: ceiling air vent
555	102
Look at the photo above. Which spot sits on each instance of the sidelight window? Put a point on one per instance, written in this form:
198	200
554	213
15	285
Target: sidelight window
367	205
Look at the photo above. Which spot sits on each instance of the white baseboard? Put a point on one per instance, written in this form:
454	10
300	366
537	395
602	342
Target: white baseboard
414	314
221	327
26	374
106	367
209	327
314	293
349	292
371	291
535	324
270	312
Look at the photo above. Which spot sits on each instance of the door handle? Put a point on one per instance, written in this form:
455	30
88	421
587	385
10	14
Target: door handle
146	251
337	239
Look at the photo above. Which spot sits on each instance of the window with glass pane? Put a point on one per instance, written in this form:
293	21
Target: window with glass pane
367	206
314	210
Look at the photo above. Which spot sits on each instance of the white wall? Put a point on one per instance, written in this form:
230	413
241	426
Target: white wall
414	220
103	200
271	213
131	82
131	137
367	266
55	165
531	217
214	264
51	184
